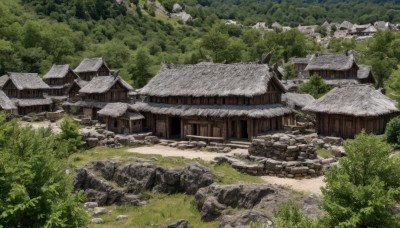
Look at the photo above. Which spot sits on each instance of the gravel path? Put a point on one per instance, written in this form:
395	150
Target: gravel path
304	185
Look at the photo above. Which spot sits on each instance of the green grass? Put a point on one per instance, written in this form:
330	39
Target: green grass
161	210
324	153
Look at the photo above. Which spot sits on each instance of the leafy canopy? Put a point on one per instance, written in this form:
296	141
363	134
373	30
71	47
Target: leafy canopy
315	86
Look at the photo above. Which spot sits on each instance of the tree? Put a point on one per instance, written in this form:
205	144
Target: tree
216	43
289	71
361	190
35	190
315	86
140	72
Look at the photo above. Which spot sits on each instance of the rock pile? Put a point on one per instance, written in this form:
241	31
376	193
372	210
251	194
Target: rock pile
100	137
135	177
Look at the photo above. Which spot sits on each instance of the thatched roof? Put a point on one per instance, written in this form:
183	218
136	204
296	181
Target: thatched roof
337	62
359	101
364	71
26	81
221	111
5	102
297	99
103	84
346	25
119	109
31	102
86	104
342	82
58	71
3	80
304	60
90	65
211	80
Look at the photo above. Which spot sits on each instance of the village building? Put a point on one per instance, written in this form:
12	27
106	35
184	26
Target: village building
26	92
6	105
121	118
92	67
363	30
59	78
308	30
98	92
218	101
76	85
345	112
300	65
337	68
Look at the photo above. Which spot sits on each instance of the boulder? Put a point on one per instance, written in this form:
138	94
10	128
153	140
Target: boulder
244	219
96	221
121	217
167	180
176	8
182	223
92	142
194	177
91	204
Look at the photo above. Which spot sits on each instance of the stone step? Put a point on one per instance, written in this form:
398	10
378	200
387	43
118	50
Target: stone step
237	146
241	142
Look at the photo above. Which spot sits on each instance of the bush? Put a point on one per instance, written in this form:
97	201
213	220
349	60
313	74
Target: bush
35	191
290	215
393	132
69	140
361	190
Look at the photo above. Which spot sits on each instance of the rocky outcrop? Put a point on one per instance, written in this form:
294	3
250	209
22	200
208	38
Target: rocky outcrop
135	177
179	224
244	219
177	8
259	201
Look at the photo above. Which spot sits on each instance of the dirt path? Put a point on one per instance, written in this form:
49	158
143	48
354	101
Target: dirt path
173	152
305	185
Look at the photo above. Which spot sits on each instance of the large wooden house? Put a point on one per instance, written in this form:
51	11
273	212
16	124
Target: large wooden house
26	91
214	101
92	67
121	118
99	91
345	112
336	68
59	78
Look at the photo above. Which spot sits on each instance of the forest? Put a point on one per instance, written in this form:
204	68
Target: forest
134	38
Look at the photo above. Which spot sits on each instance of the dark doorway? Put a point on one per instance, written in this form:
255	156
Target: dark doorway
175	127
243	125
233	129
194	132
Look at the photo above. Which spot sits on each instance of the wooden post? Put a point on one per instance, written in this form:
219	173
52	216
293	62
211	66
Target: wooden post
167	125
182	129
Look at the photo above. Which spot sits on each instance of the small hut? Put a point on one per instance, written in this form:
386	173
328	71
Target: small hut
59	78
346	111
100	91
121	118
214	101
92	67
26	91
7	105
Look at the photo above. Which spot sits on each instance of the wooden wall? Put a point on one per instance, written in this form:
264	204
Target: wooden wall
123	125
33	109
87	76
11	90
333	74
228	128
117	93
348	126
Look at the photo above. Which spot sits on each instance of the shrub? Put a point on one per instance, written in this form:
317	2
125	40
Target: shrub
290	215
393	132
69	140
316	86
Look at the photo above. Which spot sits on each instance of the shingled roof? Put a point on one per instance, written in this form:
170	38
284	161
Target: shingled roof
210	79
5	102
90	65
27	81
119	109
57	71
103	84
361	100
336	61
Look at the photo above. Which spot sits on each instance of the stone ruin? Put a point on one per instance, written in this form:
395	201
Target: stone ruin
286	155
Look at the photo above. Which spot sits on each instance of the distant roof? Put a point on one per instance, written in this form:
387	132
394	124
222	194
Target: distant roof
5	102
26	102
363	71
3	80
27	81
346	25
102	84
361	100
304	60
58	71
119	109
90	65
337	61
211	80
297	99
253	111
